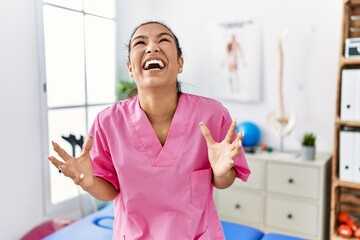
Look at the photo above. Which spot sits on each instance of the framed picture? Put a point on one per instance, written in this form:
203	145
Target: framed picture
236	58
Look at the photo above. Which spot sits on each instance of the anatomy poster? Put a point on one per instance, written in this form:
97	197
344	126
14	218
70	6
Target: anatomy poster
236	68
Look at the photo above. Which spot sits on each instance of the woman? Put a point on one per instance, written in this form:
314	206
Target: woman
159	154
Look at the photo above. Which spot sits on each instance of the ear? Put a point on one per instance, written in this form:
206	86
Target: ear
129	69
180	64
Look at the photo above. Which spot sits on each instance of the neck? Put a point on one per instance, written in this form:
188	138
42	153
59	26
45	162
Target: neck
159	108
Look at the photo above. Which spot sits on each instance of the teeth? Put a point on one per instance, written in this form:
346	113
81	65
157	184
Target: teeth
154	61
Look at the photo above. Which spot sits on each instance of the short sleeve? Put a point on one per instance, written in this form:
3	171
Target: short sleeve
241	165
102	164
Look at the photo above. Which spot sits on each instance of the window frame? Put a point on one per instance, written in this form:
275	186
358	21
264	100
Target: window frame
72	204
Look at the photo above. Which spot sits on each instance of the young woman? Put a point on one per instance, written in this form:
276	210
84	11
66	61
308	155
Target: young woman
159	154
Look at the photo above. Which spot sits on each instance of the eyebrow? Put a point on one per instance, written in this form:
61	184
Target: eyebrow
158	36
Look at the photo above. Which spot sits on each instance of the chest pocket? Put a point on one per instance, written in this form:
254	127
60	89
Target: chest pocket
200	187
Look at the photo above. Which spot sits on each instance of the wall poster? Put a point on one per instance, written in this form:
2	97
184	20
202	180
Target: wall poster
236	69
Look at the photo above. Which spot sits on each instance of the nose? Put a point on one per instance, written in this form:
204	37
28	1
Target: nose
152	47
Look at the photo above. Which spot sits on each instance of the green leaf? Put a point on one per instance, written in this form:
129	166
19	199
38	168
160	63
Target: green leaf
125	89
309	139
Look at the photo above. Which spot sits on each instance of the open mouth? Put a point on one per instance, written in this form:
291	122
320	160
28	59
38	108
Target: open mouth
154	64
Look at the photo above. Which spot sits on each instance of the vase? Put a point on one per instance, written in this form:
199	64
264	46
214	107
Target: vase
308	152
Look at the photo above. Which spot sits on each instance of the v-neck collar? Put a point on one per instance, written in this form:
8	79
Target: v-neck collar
163	156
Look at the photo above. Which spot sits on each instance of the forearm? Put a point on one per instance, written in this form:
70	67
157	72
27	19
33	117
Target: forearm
226	180
102	190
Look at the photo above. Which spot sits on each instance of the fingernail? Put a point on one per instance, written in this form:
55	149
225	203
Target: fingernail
201	123
240	143
242	133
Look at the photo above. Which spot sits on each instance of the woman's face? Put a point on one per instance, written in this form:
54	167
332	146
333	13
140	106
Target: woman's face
153	57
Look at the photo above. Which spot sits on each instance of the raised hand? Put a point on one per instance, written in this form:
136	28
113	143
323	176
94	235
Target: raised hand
222	154
77	168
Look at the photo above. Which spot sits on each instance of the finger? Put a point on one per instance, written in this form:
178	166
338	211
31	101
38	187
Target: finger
236	152
55	161
206	133
62	153
229	163
66	171
239	138
238	141
87	146
231	132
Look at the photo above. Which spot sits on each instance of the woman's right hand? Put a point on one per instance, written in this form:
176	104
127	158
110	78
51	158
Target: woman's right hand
77	168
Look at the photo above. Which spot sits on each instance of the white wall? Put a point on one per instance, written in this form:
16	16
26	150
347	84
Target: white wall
310	79
311	55
21	170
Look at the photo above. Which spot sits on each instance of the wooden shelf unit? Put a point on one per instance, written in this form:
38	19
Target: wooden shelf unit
337	183
347	123
349	62
345	196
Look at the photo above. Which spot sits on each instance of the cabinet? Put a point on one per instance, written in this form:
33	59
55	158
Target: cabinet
345	184
284	194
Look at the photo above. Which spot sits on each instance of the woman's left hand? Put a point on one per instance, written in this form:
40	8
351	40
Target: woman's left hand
222	154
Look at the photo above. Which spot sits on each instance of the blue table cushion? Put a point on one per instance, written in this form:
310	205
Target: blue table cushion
98	226
276	236
235	231
95	226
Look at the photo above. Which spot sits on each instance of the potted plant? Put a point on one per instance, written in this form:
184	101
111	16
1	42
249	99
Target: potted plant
125	89
308	146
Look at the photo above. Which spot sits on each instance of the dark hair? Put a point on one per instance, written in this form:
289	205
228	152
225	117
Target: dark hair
178	48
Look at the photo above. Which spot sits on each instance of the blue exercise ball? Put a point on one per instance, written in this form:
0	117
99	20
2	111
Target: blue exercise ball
252	133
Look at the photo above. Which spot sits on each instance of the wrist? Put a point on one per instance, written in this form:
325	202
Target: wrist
88	184
225	180
229	174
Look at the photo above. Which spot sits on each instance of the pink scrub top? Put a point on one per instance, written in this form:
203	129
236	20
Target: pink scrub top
166	192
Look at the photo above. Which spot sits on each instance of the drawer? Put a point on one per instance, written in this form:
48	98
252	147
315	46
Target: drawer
255	178
294	216
241	205
294	180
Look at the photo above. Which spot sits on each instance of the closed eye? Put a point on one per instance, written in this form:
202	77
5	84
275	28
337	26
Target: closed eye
164	40
138	43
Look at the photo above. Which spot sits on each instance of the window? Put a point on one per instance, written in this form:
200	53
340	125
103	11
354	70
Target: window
78	39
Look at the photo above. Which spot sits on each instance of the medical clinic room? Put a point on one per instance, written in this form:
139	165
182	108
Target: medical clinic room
180	120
